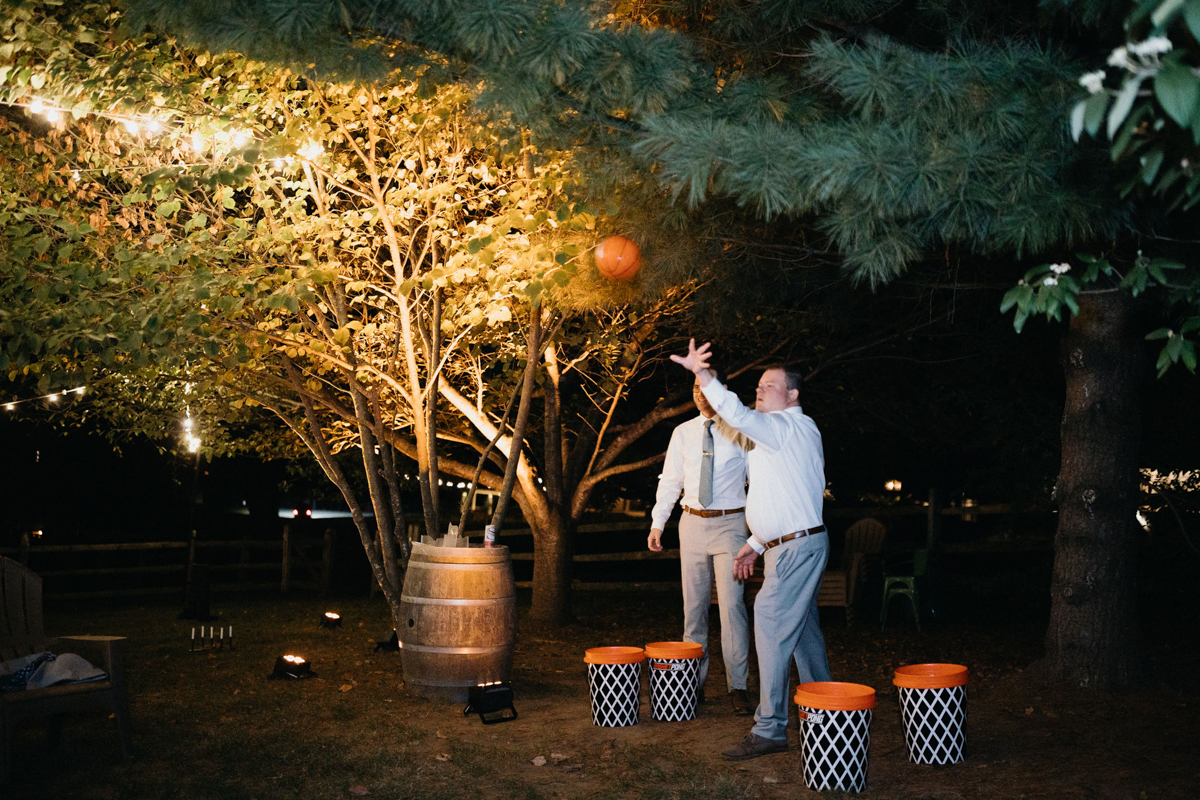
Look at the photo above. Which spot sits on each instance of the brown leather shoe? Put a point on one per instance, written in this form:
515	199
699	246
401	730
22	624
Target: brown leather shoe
754	746
741	703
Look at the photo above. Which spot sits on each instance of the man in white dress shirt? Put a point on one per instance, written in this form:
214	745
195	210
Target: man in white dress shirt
706	463
783	510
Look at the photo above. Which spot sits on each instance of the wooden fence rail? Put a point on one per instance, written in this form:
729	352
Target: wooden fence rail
933	511
314	557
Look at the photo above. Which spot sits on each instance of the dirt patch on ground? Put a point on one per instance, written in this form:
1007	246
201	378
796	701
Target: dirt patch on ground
212	726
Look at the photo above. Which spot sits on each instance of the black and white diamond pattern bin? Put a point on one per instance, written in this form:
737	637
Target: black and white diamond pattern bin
933	708
615	683
835	733
674	679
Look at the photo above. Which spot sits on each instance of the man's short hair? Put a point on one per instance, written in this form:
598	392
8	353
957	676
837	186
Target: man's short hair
792	378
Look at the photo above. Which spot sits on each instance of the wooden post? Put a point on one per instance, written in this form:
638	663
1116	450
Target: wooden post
934	528
191	557
25	541
933	541
244	564
327	561
287	552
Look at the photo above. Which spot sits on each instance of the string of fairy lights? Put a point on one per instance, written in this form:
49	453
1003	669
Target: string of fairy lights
190	438
140	124
53	397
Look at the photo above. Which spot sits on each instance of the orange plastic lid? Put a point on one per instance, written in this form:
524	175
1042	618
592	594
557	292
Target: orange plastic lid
614	655
674	650
930	676
834	696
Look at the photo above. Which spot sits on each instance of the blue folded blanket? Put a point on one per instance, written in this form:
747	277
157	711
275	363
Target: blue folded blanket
46	669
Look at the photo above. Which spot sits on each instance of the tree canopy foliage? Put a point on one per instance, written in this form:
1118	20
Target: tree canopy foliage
378	268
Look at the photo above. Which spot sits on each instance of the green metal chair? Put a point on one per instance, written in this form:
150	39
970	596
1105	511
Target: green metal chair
900	573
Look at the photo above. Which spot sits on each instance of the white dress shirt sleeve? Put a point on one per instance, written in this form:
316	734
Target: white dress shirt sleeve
670	482
765	430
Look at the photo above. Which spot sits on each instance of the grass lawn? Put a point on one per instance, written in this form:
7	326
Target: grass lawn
210	725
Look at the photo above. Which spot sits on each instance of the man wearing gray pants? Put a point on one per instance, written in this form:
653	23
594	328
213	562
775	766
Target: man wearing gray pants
706	463
783	511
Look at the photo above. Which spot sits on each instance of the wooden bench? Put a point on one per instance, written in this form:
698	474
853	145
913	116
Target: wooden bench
22	634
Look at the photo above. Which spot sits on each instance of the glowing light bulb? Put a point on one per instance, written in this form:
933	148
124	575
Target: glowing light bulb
80	389
240	138
36	106
277	163
75	176
53	398
197	143
193	443
187	423
311	151
153	126
10	406
132	126
52	115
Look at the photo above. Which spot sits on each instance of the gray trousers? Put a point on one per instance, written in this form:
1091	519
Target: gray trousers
786	628
706	550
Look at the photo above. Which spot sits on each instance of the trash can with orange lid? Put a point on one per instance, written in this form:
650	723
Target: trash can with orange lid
835	732
674	679
615	684
933	708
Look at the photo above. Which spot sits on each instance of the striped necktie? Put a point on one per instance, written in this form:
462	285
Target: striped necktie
706	465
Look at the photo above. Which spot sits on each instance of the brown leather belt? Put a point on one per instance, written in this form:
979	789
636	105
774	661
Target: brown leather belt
787	537
709	513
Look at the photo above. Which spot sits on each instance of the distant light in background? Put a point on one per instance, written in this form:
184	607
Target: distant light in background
893	486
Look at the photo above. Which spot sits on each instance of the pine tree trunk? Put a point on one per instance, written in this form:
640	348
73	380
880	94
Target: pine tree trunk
553	551
1092	641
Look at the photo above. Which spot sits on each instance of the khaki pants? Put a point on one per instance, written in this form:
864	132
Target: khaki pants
706	550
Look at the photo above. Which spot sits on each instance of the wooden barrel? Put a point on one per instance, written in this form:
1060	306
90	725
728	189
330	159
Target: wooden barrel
457	621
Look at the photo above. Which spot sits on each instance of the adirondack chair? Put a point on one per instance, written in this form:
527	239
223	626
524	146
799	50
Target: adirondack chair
839	586
21	634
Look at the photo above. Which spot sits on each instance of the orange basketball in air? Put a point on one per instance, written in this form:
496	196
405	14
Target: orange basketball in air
618	258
